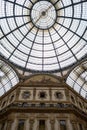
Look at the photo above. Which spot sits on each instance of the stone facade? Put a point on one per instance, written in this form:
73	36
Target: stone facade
43	102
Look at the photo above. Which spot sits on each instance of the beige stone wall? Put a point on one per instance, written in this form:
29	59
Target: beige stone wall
77	101
29	92
67	95
52	121
50	94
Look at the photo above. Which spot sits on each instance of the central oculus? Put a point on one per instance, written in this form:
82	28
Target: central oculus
43	14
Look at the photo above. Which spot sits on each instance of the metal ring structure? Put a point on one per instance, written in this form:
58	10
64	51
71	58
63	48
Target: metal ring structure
43	35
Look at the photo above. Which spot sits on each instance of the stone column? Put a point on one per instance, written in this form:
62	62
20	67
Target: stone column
34	93
69	125
9	125
52	124
85	128
50	93
0	126
31	124
3	127
27	124
74	125
15	124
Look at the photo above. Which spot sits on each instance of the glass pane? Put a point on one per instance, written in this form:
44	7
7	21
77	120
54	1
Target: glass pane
20	125
43	31
42	125
77	79
62	125
8	77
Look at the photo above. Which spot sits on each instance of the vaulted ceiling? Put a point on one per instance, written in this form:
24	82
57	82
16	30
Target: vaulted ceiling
44	36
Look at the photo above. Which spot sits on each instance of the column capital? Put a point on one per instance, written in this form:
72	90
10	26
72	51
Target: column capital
52	121
31	121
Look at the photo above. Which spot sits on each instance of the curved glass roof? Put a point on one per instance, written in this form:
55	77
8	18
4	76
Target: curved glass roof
44	35
8	77
77	79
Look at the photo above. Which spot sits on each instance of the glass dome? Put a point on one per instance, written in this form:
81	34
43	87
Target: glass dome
44	35
8	77
77	79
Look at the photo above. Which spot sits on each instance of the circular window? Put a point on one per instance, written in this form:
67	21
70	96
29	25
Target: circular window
11	98
72	98
80	104
3	104
43	14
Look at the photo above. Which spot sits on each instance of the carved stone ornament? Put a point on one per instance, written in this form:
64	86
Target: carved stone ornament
26	94
58	95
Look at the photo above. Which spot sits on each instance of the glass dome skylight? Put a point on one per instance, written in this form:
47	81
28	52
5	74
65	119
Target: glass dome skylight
77	79
8	77
43	14
44	35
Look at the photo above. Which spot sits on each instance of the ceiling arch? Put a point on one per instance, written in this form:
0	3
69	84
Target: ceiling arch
77	79
8	77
